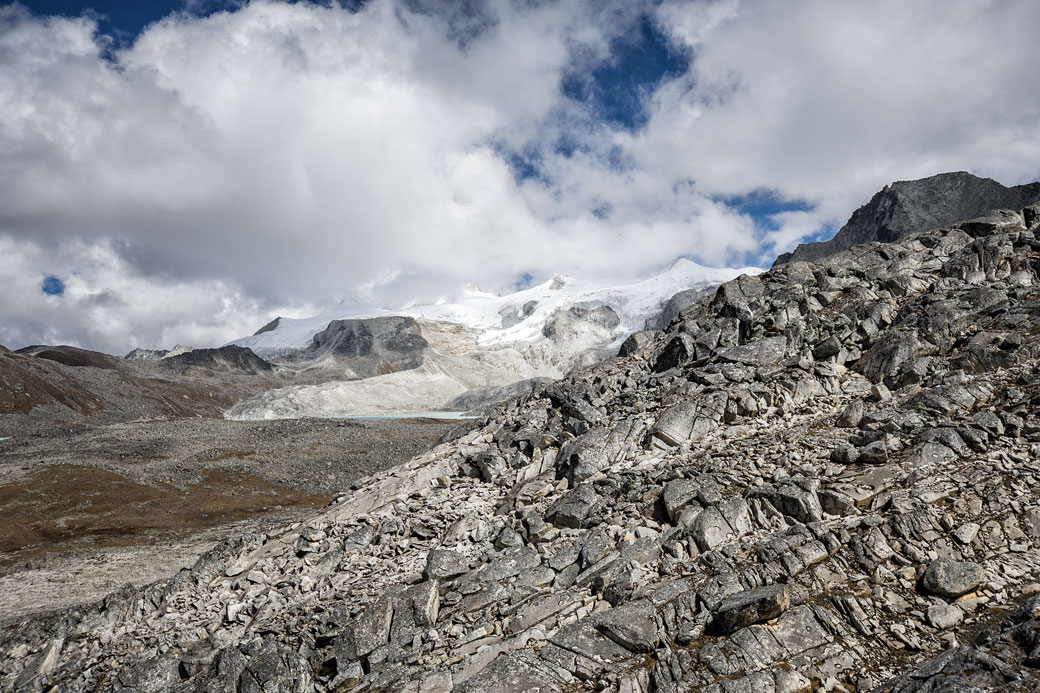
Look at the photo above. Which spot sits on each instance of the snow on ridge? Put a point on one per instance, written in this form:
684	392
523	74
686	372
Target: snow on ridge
482	312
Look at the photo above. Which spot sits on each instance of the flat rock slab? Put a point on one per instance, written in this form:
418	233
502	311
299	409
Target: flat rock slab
512	673
584	640
719	524
764	352
444	565
863	484
367	632
632	625
944	615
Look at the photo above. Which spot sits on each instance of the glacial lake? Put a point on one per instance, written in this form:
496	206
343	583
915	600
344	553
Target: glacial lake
449	415
5	437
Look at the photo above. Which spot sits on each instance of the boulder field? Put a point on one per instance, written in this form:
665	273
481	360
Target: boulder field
824	477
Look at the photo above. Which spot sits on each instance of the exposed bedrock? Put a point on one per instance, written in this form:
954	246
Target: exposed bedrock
228	358
370	346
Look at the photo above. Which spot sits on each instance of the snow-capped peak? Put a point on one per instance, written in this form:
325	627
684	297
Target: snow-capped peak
558	282
518	317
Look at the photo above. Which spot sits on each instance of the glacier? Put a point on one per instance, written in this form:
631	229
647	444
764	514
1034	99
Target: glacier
477	340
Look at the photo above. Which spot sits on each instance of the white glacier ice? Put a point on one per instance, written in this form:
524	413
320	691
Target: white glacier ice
471	345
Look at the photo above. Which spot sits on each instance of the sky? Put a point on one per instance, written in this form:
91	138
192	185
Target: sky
184	171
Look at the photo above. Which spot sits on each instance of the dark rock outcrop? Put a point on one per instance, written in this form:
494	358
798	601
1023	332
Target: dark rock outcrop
674	306
71	356
369	346
146	354
908	207
230	358
269	327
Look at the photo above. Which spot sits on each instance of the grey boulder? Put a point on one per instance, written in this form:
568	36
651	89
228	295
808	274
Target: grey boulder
950	578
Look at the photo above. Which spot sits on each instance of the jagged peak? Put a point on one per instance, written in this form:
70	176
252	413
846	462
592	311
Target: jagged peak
906	207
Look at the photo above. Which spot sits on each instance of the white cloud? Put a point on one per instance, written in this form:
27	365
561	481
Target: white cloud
830	101
231	167
105	300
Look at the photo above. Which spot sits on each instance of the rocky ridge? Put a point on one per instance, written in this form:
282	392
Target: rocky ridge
54	386
907	207
230	358
372	346
824	476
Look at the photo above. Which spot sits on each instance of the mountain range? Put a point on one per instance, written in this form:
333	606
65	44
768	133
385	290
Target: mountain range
819	477
458	354
424	357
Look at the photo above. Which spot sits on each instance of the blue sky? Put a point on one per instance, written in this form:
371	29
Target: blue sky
188	180
121	20
615	87
52	286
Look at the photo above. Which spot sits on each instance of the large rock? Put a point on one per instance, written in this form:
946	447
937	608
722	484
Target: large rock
797	499
635	343
673	307
720	524
677	495
414	608
679	350
690	420
950	578
595	450
444	565
365	633
762	352
851	416
751	607
577	509
632	625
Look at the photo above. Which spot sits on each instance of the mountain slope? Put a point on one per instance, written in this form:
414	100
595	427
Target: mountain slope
907	207
824	476
44	386
226	359
368	346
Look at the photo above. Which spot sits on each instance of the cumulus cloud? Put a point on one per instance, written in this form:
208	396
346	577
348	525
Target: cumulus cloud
829	101
110	304
275	157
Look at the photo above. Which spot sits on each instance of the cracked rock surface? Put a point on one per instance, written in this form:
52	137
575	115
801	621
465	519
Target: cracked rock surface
823	476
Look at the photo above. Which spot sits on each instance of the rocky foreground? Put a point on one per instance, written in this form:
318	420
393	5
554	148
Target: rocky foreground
826	475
